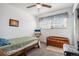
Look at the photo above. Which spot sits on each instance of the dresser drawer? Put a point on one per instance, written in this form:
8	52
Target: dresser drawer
58	41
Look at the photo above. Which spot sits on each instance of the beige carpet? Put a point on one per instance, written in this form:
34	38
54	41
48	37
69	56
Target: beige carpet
55	49
46	51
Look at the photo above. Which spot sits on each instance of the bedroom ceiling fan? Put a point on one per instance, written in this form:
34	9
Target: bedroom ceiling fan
38	5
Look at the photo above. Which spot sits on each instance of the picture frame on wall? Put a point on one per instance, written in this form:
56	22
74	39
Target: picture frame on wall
13	22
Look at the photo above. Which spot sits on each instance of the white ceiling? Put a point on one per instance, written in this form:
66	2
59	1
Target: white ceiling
33	10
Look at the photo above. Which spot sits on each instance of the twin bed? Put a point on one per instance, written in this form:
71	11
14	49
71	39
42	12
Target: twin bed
18	46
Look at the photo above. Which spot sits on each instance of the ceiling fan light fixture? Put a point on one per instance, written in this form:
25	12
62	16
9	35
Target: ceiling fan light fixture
38	6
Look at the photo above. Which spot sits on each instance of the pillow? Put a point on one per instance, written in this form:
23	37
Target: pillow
4	42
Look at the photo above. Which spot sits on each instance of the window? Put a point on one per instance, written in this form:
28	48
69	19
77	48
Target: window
56	21
45	23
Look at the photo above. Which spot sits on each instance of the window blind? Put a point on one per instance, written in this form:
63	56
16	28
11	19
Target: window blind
54	21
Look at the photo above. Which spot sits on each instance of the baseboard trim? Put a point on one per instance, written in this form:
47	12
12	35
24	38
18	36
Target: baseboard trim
43	42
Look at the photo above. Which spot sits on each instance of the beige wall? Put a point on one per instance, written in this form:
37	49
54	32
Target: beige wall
27	22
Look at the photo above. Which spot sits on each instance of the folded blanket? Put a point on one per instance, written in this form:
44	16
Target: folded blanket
4	42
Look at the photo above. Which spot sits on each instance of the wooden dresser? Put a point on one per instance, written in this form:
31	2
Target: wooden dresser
57	41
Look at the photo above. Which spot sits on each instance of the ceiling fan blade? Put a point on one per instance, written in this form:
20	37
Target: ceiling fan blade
31	6
38	3
45	5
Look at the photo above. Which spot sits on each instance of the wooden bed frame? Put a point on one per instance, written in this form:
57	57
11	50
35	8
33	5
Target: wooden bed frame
22	52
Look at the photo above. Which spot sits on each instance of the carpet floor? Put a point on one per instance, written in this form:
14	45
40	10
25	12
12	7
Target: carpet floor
46	51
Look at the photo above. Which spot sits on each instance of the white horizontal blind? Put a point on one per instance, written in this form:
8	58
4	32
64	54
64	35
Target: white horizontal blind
57	21
45	23
60	21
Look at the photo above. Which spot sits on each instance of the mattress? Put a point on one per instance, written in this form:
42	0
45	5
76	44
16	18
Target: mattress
17	43
30	44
